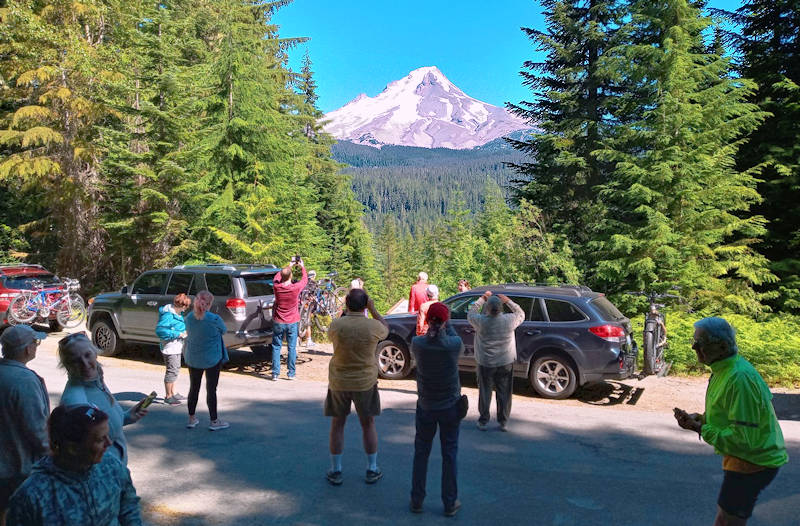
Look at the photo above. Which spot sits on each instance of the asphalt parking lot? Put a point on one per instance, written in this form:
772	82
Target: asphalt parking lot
560	464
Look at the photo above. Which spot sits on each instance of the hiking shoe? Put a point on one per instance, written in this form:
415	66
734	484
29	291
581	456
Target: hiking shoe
482	426
193	421
218	424
291	378
274	378
415	508
373	476
451	511
172	400
334	477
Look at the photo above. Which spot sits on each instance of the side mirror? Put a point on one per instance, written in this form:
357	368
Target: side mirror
124	290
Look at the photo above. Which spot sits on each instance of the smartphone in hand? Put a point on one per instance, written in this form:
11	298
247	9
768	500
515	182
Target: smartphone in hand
145	403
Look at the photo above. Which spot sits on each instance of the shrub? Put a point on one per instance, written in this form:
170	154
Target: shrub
771	345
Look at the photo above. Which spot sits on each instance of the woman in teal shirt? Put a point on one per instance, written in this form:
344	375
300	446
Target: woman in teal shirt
205	353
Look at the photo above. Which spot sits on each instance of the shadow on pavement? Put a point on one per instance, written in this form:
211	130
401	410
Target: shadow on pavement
787	405
269	467
609	393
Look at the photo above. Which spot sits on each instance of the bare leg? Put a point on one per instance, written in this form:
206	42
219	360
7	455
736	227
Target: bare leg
369	435
336	442
168	389
725	519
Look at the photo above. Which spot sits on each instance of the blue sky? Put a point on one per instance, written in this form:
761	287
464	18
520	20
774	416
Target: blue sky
359	47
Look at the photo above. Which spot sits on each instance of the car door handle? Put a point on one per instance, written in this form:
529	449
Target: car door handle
152	303
533	332
469	331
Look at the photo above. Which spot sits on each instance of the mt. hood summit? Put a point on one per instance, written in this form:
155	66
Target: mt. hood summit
423	109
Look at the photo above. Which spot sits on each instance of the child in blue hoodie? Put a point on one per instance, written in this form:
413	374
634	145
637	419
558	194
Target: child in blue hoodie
171	330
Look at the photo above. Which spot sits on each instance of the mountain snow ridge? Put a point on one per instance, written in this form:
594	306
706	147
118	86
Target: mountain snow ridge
421	109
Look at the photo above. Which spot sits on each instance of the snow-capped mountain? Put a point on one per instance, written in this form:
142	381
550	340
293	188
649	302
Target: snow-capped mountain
422	109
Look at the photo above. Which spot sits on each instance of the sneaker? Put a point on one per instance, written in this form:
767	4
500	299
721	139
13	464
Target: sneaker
373	476
274	378
291	378
218	424
482	426
450	512
178	396
504	427
172	400
193	421
415	508
334	477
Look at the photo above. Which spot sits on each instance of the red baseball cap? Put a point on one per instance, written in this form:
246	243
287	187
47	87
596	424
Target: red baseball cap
438	311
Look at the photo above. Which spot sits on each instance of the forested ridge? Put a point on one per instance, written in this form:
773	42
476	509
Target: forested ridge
665	154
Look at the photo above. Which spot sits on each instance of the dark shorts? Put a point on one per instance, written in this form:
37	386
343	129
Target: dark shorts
368	403
739	491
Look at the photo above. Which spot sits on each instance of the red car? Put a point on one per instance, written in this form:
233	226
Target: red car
16	277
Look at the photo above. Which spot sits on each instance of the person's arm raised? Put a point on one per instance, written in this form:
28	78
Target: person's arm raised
375	314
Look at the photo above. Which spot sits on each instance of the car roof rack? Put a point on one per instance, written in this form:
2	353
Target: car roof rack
226	266
552	288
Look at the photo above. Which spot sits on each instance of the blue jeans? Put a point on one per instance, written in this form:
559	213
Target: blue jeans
448	423
279	330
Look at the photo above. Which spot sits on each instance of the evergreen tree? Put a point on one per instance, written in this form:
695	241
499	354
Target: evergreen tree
575	90
54	67
770	55
681	207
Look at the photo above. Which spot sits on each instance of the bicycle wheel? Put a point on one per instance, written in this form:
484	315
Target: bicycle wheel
649	349
305	317
71	312
339	294
23	308
321	321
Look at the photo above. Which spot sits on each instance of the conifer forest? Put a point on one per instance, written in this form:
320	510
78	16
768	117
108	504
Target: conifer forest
665	153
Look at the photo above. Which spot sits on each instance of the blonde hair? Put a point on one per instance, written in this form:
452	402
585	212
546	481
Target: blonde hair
202	303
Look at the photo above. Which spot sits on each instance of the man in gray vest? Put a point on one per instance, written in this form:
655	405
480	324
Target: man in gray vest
24	408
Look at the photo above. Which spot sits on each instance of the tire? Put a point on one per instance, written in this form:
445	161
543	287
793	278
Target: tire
649	350
394	360
305	318
552	377
19	310
320	323
105	338
339	294
72	313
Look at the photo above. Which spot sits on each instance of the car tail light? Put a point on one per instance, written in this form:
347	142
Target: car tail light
610	333
238	308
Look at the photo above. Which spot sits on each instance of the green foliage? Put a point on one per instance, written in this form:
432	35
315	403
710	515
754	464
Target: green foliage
772	345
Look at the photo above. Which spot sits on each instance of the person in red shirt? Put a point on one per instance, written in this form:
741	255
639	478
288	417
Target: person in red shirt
418	294
286	316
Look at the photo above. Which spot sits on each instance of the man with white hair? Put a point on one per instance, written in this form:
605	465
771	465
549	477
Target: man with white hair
432	293
495	352
24	408
739	421
418	294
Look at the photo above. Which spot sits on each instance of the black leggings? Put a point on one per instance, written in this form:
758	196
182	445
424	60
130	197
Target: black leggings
212	379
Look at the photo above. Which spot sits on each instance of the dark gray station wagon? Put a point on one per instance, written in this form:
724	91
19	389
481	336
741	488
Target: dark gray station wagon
570	336
243	297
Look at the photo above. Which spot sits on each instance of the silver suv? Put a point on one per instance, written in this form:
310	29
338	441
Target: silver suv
243	297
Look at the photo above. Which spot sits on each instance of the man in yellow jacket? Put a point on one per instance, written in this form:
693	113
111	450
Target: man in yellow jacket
739	421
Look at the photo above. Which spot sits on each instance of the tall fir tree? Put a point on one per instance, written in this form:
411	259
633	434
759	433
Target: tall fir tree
681	213
769	51
575	91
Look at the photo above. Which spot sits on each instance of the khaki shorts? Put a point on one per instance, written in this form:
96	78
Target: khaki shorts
368	403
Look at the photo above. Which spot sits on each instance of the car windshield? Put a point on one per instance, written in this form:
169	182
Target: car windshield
258	284
607	309
23	281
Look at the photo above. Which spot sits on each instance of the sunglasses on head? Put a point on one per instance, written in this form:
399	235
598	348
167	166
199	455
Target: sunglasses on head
70	337
88	411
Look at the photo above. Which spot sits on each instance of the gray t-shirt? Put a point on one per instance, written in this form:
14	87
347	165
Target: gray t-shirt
495	344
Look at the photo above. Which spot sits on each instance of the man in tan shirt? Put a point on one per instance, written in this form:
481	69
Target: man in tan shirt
353	379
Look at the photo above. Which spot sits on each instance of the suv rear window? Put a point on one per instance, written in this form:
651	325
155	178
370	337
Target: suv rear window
219	284
607	309
562	311
258	284
23	281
